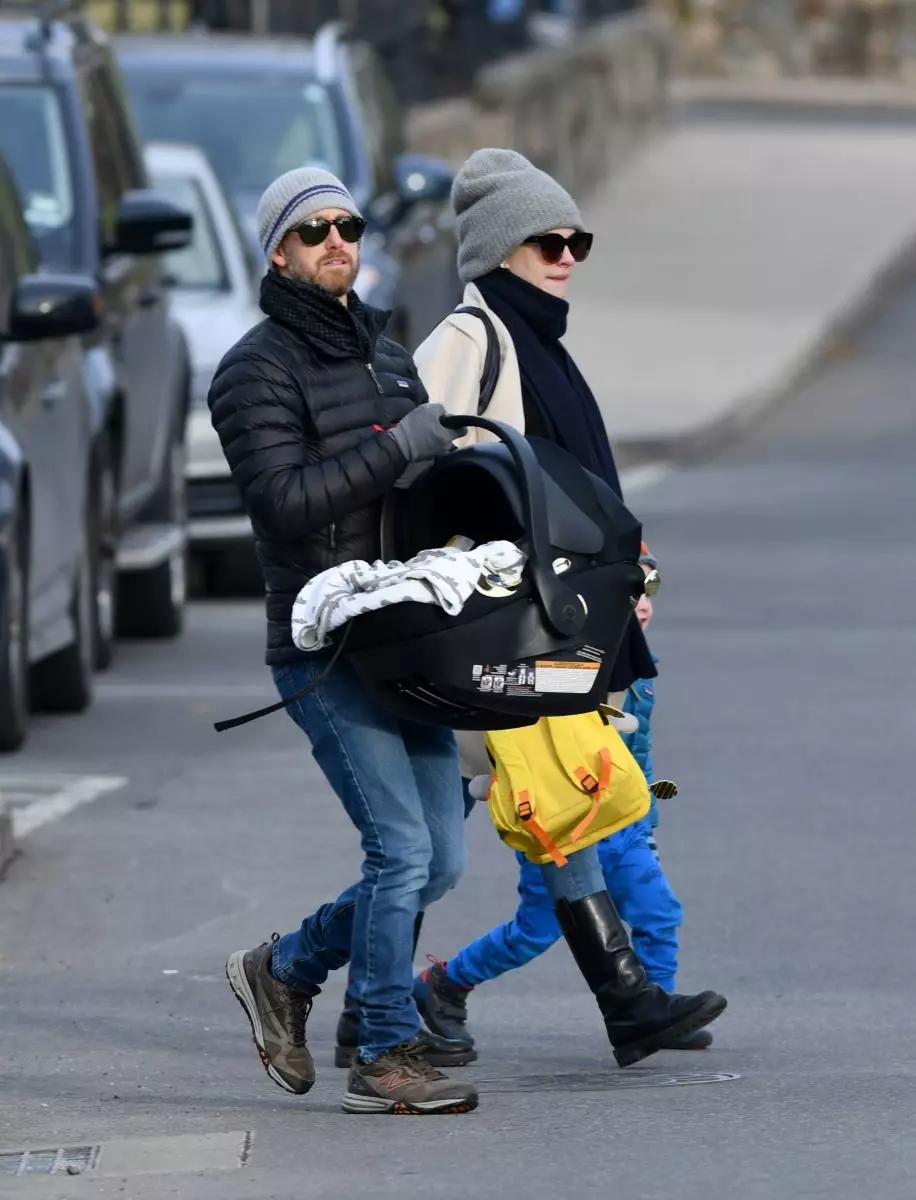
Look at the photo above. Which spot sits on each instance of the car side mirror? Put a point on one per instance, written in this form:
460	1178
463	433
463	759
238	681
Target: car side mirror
419	177
150	223
53	306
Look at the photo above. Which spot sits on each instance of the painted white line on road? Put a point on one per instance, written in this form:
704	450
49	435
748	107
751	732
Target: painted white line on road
638	478
83	789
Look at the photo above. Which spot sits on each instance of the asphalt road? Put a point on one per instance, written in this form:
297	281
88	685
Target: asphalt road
787	647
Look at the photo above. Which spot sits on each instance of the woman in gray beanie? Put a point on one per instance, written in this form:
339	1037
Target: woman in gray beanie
520	237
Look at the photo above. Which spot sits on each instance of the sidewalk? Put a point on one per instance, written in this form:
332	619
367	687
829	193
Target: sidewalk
726	256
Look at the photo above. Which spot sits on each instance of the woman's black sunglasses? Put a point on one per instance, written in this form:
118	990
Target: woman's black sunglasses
314	231
552	245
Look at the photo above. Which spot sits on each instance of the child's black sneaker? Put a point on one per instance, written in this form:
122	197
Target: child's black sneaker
443	1004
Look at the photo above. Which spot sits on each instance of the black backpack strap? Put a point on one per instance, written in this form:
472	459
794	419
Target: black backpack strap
491	364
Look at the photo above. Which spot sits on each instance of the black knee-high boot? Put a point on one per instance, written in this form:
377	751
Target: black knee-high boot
639	1016
439	1052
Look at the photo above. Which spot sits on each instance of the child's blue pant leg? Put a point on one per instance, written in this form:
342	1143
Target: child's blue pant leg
645	900
532	930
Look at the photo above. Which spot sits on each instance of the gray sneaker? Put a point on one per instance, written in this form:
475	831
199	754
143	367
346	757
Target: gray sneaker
277	1014
402	1082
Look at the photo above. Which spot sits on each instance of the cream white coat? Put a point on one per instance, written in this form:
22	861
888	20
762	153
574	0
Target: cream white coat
450	362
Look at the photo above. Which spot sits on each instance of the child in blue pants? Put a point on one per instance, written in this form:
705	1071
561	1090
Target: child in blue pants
633	876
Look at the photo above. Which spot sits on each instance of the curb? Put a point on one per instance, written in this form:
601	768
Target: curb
748	411
7	843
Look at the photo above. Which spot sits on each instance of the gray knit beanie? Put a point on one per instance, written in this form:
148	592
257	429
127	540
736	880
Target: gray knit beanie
293	198
500	199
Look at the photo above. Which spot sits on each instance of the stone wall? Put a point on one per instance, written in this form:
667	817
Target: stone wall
797	38
577	110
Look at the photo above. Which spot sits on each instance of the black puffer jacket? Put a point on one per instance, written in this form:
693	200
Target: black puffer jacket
300	404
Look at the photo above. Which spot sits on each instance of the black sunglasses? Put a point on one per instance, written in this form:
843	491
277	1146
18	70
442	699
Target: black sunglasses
314	231
552	245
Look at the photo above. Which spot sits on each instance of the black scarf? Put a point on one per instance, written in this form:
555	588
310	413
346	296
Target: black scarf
559	406
342	330
552	384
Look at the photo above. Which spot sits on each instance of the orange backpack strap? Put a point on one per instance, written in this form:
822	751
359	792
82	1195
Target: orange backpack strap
595	787
604	768
589	783
525	811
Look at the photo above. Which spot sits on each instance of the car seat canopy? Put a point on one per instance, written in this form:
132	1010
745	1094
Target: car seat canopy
543	648
477	493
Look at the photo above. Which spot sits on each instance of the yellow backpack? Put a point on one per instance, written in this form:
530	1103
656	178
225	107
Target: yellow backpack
561	785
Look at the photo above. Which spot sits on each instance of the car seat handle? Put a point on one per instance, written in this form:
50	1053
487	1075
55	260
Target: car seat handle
562	608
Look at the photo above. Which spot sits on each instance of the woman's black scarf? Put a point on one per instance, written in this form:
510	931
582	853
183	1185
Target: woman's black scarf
563	409
551	381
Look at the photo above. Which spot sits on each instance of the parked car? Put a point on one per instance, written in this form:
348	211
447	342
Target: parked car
67	133
50	481
213	284
259	107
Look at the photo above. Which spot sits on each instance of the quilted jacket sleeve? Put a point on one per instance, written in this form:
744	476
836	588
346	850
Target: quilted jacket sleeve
256	409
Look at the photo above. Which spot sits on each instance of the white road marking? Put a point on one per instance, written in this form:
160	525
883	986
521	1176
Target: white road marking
61	796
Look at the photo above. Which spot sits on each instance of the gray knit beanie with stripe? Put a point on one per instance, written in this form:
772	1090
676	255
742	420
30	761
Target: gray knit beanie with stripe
295	197
500	199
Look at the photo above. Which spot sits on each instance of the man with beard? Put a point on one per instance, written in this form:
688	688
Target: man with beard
319	415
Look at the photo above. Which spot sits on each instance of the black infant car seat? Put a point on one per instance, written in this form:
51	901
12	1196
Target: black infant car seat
514	654
544	649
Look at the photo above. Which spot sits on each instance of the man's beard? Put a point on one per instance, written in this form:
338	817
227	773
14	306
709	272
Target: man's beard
336	281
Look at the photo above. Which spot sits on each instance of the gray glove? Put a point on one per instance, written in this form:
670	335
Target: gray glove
421	437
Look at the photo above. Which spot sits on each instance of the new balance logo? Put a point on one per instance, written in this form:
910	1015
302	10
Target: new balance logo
392	1080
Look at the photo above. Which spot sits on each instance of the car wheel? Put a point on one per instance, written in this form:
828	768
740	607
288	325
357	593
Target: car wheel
151	603
63	682
14	640
104	554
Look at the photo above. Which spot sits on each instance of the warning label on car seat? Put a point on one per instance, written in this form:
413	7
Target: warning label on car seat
560	675
575	674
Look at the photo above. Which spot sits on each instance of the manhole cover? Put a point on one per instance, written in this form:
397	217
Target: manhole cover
68	1160
602	1081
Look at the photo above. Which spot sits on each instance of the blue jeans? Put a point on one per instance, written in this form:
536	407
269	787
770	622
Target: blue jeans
641	893
580	877
400	784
